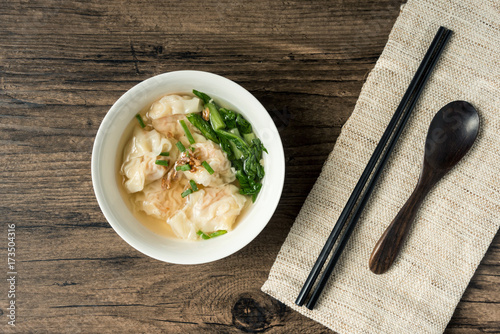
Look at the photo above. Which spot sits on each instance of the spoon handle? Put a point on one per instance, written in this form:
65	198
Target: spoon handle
389	244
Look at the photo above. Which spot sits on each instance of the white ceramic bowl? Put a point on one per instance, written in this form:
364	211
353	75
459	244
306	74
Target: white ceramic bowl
104	168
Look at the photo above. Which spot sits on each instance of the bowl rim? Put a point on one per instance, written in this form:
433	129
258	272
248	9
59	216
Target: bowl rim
103	201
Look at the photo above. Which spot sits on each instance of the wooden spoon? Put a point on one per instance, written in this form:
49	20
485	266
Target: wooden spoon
451	134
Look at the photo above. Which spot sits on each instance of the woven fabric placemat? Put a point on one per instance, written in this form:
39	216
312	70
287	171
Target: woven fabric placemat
459	217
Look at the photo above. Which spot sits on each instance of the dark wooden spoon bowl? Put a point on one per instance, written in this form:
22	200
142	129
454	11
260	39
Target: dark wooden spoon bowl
451	134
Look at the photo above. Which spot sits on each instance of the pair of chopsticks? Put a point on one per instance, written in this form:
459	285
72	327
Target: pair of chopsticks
384	149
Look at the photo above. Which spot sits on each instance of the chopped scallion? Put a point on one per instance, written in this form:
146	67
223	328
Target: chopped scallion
183	168
193	185
180	146
141	122
217	233
207	167
203	234
188	133
164	154
162	162
186	192
211	235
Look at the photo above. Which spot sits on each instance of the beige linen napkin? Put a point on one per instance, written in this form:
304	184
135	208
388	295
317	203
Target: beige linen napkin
460	216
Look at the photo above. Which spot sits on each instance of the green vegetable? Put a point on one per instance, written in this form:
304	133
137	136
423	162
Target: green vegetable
161	162
237	164
215	118
241	145
207	167
164	154
237	153
186	192
180	146
203	126
193	185
141	122
260	172
257	148
249	137
183	168
188	133
242	179
237	140
229	117
204	97
226	147
247	185
235	132
250	167
243	125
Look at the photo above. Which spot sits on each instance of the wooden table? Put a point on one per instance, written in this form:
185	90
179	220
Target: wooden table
64	63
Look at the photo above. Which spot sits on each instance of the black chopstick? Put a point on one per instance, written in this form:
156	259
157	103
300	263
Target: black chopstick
371	185
368	169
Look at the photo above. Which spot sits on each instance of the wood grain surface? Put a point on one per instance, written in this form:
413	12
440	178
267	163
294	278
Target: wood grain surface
64	63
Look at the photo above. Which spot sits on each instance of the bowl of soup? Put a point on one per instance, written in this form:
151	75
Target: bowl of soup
188	167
